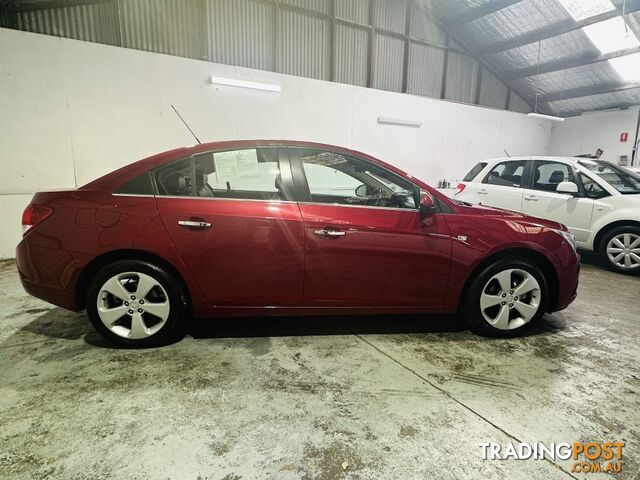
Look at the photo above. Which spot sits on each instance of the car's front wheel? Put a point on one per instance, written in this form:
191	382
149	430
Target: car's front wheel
505	298
620	249
135	303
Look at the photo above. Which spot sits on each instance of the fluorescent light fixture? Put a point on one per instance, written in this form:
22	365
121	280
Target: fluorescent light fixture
399	121
233	82
611	35
581	9
628	67
546	117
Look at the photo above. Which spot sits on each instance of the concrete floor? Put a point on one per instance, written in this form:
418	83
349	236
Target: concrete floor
391	397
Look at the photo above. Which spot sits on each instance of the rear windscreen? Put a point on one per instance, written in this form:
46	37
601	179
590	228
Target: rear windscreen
474	172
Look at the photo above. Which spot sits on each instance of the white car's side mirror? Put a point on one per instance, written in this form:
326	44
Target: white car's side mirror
569	188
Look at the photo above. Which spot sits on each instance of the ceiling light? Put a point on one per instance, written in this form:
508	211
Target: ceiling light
581	9
546	117
611	35
628	67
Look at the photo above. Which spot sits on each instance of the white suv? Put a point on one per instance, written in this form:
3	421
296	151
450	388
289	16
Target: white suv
597	200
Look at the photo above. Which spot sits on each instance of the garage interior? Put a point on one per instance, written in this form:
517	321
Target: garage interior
431	86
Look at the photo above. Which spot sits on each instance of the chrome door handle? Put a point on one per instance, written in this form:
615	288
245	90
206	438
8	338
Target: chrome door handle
330	233
531	198
482	192
194	224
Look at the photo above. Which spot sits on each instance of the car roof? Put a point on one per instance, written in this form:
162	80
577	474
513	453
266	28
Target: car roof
535	157
133	169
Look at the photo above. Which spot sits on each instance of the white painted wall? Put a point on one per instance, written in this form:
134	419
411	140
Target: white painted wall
588	132
72	111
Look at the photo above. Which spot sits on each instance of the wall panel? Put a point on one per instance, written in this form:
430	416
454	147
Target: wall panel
351	55
390	15
92	23
240	32
303	45
388	63
173	27
462	78
353	10
493	93
426	68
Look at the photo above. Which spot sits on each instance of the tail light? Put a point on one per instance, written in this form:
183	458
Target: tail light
460	187
34	215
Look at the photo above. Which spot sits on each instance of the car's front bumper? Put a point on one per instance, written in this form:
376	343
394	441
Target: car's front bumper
568	272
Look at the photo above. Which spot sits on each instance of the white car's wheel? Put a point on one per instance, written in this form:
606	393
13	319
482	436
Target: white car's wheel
620	249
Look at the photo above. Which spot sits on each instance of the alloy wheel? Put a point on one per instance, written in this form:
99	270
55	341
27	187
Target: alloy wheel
623	251
133	305
510	299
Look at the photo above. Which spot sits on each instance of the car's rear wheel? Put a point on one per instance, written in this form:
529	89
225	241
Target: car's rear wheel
137	304
506	298
620	249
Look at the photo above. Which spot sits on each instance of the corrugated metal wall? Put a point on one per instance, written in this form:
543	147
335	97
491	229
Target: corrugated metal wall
462	78
359	42
174	29
425	28
519	105
92	23
493	93
322	6
426	68
388	63
353	60
303	45
390	16
353	10
240	32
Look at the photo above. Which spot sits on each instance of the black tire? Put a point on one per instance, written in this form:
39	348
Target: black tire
176	323
602	250
470	307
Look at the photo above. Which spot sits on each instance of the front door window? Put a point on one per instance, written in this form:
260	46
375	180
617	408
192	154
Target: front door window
339	179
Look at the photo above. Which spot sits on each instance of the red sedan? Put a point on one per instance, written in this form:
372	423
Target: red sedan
275	227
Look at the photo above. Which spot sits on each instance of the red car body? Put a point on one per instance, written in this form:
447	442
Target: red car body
263	258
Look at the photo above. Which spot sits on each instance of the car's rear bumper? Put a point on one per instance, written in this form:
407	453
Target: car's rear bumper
48	273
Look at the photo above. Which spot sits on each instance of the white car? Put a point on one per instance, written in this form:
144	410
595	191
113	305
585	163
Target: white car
598	201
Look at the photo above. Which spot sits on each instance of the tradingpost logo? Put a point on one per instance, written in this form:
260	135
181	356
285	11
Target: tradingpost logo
588	457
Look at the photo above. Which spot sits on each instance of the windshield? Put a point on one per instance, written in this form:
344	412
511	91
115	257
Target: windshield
621	179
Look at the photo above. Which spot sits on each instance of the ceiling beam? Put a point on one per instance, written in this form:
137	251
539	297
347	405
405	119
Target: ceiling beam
471	14
588	91
556	29
613	106
564	64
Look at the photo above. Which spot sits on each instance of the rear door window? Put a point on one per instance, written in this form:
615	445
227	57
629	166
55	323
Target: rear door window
506	174
473	173
248	174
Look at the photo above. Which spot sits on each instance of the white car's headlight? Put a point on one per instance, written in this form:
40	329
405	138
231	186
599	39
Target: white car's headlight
568	236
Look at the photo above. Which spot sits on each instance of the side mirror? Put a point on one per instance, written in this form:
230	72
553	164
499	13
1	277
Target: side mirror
361	191
427	204
569	188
